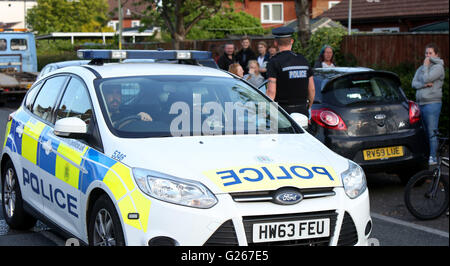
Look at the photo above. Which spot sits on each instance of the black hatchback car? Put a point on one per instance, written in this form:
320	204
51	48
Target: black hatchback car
365	116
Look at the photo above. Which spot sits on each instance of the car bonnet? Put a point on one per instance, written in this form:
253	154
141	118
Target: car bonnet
238	163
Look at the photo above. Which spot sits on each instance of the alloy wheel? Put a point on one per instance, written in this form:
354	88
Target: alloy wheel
9	193
104	229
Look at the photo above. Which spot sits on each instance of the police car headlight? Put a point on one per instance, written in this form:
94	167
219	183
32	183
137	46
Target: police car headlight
174	190
354	180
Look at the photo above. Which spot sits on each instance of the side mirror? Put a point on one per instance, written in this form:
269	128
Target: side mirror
301	119
70	127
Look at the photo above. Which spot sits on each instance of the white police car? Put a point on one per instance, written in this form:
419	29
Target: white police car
163	154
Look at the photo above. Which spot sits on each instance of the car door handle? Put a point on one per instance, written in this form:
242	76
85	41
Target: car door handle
47	146
81	168
19	130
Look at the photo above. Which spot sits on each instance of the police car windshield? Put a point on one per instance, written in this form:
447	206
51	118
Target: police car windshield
164	106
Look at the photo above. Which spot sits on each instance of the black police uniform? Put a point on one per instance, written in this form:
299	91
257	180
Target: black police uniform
292	72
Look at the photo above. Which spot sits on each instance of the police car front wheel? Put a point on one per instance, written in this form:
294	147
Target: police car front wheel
13	205
104	224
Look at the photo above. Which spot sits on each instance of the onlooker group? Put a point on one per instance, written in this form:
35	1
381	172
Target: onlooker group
254	69
245	63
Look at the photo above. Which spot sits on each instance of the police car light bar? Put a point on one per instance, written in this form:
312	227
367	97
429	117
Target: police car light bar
143	54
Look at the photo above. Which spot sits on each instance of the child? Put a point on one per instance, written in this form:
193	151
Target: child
254	77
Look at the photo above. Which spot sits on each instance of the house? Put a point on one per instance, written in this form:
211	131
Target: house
389	15
277	13
9	25
320	6
316	23
12	13
132	10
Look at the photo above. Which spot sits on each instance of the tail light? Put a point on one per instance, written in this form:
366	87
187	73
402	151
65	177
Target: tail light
414	113
328	119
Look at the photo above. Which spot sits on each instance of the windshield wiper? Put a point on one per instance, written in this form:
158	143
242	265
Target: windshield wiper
287	130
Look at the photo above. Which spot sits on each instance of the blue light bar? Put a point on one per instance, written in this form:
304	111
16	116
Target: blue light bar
143	54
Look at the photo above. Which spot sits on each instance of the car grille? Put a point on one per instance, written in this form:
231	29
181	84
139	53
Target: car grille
250	220
225	235
348	235
268	196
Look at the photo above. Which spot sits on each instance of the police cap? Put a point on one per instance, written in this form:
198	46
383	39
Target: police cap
282	32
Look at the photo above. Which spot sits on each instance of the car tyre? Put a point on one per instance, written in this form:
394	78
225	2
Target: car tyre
12	202
104	224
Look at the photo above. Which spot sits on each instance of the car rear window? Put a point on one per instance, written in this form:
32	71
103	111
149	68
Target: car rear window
363	89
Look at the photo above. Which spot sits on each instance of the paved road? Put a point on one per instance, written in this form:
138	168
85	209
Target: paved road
393	225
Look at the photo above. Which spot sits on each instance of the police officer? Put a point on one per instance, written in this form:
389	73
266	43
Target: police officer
113	97
290	79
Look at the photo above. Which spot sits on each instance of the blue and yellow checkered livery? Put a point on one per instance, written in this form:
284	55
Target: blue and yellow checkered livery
76	164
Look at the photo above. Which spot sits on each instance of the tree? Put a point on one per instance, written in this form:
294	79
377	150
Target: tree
68	16
179	16
329	36
304	29
228	23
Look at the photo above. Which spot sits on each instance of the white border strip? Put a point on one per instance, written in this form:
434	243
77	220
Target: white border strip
411	225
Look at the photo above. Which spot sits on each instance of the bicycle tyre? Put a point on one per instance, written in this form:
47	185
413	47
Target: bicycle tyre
411	192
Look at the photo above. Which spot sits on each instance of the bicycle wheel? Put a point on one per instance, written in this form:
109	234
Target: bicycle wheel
421	201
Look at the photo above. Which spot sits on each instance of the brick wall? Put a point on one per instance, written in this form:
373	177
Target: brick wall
253	8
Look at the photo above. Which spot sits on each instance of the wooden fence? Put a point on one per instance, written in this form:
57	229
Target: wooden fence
393	49
388	49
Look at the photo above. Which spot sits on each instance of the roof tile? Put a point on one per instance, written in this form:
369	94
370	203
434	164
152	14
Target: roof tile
364	9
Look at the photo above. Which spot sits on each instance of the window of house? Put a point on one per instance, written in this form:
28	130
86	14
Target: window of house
135	23
272	12
389	29
113	24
